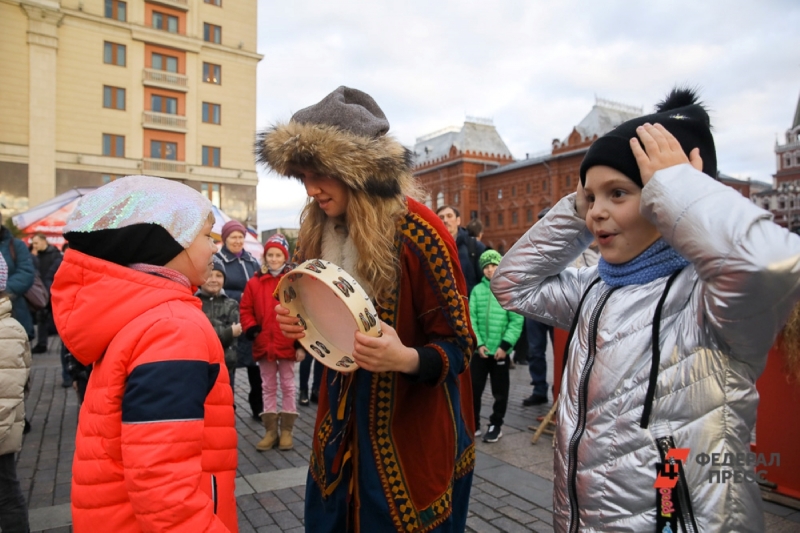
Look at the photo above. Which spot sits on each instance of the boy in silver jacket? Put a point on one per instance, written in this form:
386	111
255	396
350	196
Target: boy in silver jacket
669	331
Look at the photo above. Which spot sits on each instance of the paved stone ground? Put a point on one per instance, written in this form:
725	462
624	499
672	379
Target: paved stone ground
512	488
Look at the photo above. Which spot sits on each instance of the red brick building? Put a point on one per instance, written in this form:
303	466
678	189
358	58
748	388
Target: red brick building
471	168
784	198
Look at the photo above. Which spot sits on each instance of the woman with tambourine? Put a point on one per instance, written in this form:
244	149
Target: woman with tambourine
393	442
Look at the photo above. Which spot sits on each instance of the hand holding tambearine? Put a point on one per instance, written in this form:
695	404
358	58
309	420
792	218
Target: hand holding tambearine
386	353
661	150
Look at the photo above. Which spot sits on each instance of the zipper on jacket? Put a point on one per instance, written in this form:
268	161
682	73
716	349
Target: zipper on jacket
686	515
583	389
214	491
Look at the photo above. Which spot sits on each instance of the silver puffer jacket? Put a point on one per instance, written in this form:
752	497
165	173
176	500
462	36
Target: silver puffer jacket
718	321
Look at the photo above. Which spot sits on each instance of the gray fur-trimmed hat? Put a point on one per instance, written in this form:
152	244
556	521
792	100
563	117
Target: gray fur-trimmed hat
343	136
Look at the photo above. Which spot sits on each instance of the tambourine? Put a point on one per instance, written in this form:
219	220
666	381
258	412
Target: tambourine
331	307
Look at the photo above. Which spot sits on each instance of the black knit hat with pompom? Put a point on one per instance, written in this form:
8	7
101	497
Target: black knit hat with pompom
680	113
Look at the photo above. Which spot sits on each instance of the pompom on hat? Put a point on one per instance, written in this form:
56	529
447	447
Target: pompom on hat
277	241
489	257
137	219
343	136
680	113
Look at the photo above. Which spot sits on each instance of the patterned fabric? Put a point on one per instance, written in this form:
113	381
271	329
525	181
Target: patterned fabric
3	273
391	454
164	272
658	261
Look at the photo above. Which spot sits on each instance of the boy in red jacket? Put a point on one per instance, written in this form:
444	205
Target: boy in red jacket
273	351
156	442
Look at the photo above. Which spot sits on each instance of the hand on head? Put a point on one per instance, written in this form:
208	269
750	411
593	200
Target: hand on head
661	150
581	203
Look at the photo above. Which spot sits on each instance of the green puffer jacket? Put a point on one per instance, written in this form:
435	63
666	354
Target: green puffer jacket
494	326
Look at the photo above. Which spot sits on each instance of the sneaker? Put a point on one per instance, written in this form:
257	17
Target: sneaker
534	399
478	432
314	396
493	434
39	348
303	397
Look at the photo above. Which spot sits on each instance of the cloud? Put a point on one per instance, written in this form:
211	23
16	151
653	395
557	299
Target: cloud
533	67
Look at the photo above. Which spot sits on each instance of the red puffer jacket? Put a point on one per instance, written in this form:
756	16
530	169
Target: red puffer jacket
156	443
258	309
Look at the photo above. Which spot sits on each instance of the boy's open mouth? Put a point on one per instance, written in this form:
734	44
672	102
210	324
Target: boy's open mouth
605	237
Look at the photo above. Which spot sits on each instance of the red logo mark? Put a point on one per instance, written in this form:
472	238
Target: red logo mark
668	473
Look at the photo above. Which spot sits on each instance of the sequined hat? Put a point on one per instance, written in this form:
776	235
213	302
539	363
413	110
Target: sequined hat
137	219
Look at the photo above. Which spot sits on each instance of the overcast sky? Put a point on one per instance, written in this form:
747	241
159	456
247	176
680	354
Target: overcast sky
533	66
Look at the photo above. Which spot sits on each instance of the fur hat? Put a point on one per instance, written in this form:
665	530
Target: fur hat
489	257
277	241
231	226
680	113
343	136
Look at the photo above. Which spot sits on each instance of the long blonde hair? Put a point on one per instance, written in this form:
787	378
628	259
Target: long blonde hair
371	222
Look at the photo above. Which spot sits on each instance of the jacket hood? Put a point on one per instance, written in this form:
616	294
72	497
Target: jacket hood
379	166
94	299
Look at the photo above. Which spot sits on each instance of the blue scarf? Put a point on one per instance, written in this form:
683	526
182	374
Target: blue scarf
658	261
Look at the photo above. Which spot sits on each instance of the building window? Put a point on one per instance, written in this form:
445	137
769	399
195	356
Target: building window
217	3
162	62
114	54
210	156
113	145
108	178
116	9
486	221
163	21
513	191
163	150
212	73
164	104
211	191
797	159
787	161
569	181
544	185
455	198
528	187
473	215
766	206
514	220
781	205
211	113
529	215
212	33
114	97
439	200
485	196
500	219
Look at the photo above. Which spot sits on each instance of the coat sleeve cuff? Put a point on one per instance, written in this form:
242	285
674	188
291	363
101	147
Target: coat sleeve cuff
430	366
505	346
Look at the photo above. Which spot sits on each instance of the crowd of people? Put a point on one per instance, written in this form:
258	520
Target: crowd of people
672	287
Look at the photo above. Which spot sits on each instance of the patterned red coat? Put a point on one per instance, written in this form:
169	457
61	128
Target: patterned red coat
156	442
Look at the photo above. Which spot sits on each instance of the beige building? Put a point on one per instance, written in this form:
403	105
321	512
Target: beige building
97	89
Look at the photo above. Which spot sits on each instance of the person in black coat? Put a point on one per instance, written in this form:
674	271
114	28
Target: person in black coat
46	255
240	266
469	248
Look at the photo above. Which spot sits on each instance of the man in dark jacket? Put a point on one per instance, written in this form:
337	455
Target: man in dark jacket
469	248
47	255
20	276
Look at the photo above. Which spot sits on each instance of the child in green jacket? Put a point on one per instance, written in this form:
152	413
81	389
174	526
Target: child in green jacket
496	330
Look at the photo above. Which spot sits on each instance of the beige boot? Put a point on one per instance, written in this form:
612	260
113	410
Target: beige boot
287	426
270	421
